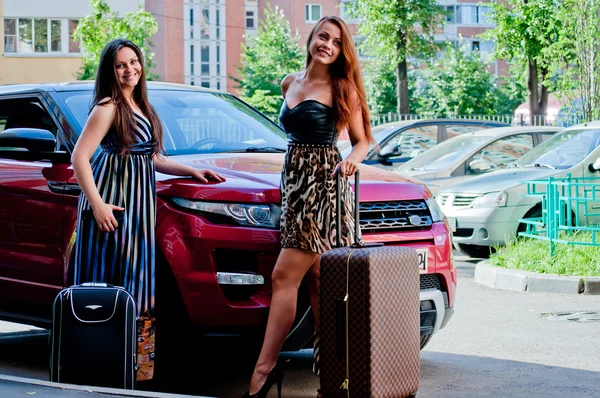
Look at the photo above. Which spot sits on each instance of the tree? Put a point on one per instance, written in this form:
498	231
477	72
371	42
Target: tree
576	57
458	83
524	30
271	55
397	30
380	85
102	25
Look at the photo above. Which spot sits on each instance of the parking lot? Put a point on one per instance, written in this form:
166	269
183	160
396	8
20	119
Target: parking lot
498	344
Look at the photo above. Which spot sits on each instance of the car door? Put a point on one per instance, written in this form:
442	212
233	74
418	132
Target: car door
31	216
405	144
499	154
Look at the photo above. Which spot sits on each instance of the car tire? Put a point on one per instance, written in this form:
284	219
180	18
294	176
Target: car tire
476	250
425	340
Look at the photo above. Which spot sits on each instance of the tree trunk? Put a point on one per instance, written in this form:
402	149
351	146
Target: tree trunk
402	87
538	93
402	76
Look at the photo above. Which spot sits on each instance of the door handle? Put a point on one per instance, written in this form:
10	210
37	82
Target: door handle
65	188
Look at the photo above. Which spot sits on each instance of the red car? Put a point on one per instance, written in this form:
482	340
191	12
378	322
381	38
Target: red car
217	243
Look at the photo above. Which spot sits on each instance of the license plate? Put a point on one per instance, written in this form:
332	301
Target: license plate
422	255
452	223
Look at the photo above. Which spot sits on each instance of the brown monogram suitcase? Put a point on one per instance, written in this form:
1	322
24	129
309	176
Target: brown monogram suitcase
370	320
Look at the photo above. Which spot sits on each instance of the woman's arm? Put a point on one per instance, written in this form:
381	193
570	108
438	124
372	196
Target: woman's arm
95	130
167	166
358	138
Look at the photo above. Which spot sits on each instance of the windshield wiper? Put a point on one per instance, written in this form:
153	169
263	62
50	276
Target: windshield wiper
257	149
548	166
264	149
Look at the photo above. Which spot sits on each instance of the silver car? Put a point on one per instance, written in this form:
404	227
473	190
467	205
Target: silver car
472	154
485	211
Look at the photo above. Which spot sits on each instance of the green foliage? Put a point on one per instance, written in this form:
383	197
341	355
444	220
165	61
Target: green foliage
534	255
396	30
272	54
511	90
576	56
103	25
380	85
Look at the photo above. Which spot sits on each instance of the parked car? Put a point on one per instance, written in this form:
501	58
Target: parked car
473	154
217	243
401	141
486	210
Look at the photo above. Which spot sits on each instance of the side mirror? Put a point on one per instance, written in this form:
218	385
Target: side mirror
33	140
594	167
396	151
480	166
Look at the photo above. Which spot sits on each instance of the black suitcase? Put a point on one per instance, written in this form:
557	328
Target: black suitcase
370	319
94	336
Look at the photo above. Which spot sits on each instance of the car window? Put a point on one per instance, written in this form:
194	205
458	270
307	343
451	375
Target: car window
22	113
445	154
197	122
413	141
544	136
501	153
453	130
563	150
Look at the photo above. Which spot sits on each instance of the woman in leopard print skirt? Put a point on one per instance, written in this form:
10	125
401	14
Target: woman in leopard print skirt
325	98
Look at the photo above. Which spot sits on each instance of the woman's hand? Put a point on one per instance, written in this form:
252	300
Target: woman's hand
206	175
103	213
347	168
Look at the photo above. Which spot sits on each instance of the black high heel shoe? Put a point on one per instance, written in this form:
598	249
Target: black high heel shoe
275	376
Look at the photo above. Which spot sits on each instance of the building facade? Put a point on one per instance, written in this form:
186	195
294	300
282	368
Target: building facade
198	41
37	46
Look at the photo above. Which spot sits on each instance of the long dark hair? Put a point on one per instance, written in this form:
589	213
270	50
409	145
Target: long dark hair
107	85
345	77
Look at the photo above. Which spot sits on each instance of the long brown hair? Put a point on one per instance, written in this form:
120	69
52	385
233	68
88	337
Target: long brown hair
345	77
107	85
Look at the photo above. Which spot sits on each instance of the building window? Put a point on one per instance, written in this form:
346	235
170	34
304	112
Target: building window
476	15
450	15
73	44
475	46
205	22
205	83
192	59
55	35
191	23
312	12
25	35
10	35
250	20
204	60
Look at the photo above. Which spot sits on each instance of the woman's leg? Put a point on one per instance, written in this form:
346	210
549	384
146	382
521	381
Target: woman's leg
314	283
292	265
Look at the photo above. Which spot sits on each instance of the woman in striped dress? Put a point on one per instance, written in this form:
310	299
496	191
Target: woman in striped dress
117	208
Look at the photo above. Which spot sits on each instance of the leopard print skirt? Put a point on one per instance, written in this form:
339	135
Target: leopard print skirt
308	199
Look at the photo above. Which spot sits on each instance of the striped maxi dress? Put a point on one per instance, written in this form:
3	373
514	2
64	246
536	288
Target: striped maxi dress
124	257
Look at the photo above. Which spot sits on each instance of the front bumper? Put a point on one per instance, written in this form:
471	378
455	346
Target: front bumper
485	226
434	314
199	253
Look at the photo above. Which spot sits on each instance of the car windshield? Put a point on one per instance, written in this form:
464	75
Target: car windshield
444	154
379	133
563	150
199	122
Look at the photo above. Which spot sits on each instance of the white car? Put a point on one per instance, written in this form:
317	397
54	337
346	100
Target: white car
472	154
485	211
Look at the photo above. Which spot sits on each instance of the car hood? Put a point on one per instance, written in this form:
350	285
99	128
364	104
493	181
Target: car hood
501	180
256	178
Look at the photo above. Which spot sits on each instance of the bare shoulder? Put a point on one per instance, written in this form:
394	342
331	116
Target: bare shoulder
288	81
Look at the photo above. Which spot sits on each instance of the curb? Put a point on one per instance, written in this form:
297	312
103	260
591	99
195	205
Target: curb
91	389
526	281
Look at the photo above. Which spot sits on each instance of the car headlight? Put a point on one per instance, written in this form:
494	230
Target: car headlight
492	199
251	215
436	213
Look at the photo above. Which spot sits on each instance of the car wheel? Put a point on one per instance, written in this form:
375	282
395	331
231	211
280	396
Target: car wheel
425	339
476	250
536	212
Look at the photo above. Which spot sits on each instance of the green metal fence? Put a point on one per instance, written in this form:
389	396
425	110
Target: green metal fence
569	205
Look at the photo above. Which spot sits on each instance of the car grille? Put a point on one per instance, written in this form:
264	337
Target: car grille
458	200
430	281
394	216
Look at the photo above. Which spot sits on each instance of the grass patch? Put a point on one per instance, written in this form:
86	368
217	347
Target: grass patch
534	255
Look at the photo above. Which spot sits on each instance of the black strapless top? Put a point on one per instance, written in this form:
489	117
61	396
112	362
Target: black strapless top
309	122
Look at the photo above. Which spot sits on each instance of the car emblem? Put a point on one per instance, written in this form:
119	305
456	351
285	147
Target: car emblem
414	220
93	307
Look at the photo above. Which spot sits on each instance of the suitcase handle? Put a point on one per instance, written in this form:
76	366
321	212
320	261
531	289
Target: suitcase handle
95	284
338	203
